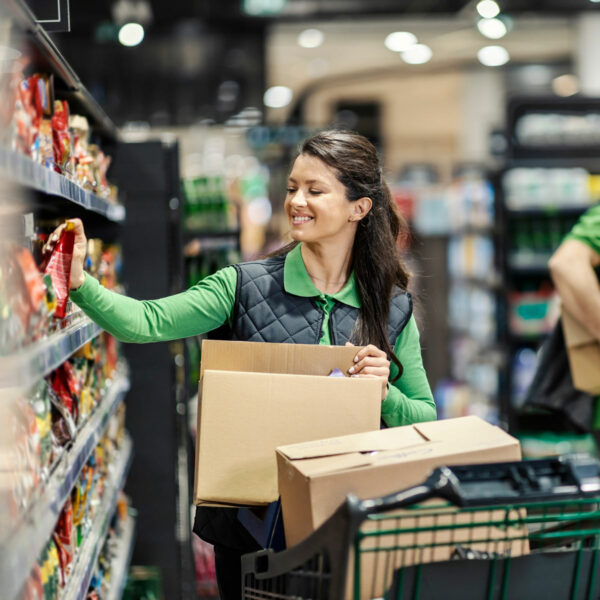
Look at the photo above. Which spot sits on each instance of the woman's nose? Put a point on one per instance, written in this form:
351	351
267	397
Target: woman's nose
299	199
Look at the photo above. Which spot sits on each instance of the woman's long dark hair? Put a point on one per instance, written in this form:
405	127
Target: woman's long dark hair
376	259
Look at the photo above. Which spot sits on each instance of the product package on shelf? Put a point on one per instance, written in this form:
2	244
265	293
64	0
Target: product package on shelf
34	286
77	518
44	130
48	418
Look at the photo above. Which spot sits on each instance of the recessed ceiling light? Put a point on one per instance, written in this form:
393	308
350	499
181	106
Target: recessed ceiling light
311	38
418	54
492	28
277	96
400	41
131	34
488	9
493	56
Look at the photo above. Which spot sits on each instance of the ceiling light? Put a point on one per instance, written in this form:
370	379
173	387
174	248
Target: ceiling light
493	56
400	41
488	9
131	34
492	28
277	96
565	85
311	38
418	54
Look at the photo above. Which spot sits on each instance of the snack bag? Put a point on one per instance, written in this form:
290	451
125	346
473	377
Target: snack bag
32	277
59	268
44	153
61	136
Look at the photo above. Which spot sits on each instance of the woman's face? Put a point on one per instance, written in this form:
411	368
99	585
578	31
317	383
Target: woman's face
316	203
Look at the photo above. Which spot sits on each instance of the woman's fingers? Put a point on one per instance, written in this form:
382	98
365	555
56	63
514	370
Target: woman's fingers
375	371
370	361
53	239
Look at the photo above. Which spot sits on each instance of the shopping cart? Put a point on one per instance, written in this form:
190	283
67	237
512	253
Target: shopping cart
497	531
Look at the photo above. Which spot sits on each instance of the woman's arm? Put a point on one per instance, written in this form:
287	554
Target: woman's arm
409	399
572	270
204	307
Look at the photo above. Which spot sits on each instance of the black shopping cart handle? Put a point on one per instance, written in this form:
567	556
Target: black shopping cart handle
500	483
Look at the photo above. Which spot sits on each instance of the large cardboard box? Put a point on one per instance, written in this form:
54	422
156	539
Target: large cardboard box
583	350
254	397
315	477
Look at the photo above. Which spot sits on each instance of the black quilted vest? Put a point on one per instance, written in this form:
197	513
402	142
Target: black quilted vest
265	312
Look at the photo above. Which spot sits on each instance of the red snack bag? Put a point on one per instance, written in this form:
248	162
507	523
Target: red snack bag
59	268
61	136
64	383
32	277
65	530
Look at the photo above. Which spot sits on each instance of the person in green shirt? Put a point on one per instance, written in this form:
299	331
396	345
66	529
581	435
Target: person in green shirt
573	269
341	280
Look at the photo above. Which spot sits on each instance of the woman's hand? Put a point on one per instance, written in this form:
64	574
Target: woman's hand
372	362
79	250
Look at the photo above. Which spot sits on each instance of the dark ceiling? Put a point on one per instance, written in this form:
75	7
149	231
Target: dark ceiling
204	59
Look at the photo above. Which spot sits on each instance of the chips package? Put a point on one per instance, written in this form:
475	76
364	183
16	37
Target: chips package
63	148
59	268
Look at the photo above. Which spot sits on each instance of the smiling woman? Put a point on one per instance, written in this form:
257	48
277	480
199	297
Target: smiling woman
341	281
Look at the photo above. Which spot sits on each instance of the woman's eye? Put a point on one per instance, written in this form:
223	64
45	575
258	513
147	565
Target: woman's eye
315	192
290	190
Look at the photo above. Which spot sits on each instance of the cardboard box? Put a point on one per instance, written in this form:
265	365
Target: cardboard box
583	350
254	397
315	477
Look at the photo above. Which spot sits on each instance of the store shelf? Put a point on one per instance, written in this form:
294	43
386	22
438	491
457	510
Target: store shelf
548	211
485	230
21	169
25	543
26	367
527	339
491	283
529	263
47	58
196	247
87	556
120	563
205	234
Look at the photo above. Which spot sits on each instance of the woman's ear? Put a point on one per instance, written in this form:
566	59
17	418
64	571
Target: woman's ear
360	209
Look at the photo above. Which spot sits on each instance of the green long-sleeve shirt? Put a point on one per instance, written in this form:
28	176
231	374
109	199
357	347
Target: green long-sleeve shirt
209	304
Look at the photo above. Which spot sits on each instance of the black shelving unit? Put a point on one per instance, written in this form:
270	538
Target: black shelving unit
49	193
525	266
153	267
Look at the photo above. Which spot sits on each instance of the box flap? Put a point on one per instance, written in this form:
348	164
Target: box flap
261	357
311	467
452	430
385	439
575	333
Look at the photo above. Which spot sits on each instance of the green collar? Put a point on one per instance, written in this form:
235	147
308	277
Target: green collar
297	281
